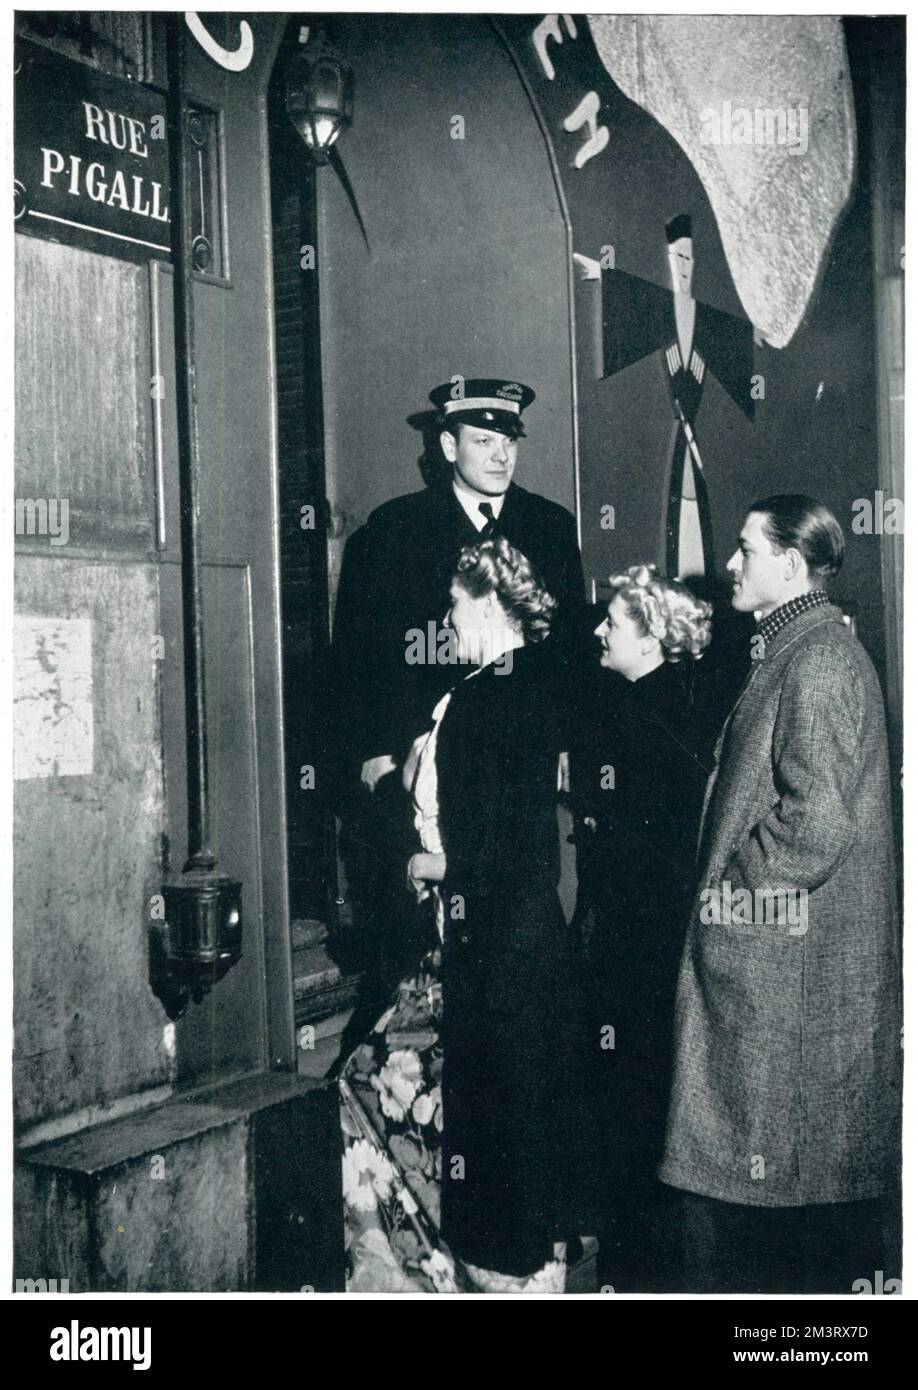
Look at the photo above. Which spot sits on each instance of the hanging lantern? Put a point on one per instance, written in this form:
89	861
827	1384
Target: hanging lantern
319	96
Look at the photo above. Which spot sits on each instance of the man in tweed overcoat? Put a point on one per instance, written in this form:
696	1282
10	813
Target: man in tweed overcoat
784	1113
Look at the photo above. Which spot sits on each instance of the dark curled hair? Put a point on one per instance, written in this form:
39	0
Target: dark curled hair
495	567
794	521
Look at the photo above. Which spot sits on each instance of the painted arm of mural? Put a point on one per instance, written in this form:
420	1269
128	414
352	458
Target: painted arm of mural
588	268
815	766
635	318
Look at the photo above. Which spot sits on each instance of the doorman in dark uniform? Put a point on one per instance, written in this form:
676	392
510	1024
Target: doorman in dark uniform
392	599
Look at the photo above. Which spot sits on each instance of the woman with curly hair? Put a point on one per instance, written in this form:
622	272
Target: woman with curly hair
639	778
511	1183
510	1047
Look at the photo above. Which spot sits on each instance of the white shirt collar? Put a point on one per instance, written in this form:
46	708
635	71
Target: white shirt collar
469	501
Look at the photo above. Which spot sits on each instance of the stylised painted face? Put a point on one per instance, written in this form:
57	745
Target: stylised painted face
681	263
624	646
473	621
482	459
759	575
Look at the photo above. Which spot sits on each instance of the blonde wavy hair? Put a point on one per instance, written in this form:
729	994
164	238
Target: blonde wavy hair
495	567
665	609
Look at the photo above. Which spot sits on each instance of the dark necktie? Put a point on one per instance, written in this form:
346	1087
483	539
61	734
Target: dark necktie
490	525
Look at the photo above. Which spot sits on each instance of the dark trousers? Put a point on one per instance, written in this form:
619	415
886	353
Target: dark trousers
729	1248
639	1245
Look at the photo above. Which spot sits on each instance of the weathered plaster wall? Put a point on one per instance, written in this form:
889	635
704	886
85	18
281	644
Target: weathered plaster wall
88	1028
236	1187
96	407
89	1033
192	1193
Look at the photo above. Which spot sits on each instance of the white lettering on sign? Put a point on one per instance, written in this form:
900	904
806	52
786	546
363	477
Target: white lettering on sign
143	198
108	126
88	163
550	28
585	114
52	710
52	163
96	193
234	60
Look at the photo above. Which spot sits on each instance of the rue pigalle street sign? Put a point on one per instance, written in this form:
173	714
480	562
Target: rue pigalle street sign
91	157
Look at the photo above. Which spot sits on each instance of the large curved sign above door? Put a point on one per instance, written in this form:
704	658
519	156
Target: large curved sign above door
673	423
762	107
233	59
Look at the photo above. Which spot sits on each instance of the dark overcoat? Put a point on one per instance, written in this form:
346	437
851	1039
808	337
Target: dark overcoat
512	1034
395	580
786	1070
638	775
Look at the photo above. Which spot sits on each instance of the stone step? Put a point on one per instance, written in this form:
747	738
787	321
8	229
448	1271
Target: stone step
317	1053
307	931
86	1210
316	1004
313	969
320	987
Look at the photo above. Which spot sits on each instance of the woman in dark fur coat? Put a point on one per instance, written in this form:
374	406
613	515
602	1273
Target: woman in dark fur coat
500	1072
639	776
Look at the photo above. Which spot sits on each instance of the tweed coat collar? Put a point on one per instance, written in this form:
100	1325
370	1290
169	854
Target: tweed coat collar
804	622
787	636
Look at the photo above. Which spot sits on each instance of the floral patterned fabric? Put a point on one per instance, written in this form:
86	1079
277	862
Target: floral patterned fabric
392	1125
392	1122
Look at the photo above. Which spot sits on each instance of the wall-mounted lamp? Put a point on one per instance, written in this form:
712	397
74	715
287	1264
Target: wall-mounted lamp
200	939
319	94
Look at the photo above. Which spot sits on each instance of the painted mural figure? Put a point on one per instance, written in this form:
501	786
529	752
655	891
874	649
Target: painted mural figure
639	318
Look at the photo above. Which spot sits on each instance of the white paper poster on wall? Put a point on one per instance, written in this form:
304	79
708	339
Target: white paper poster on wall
52	716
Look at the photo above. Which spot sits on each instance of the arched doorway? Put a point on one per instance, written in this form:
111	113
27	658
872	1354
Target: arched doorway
462	267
